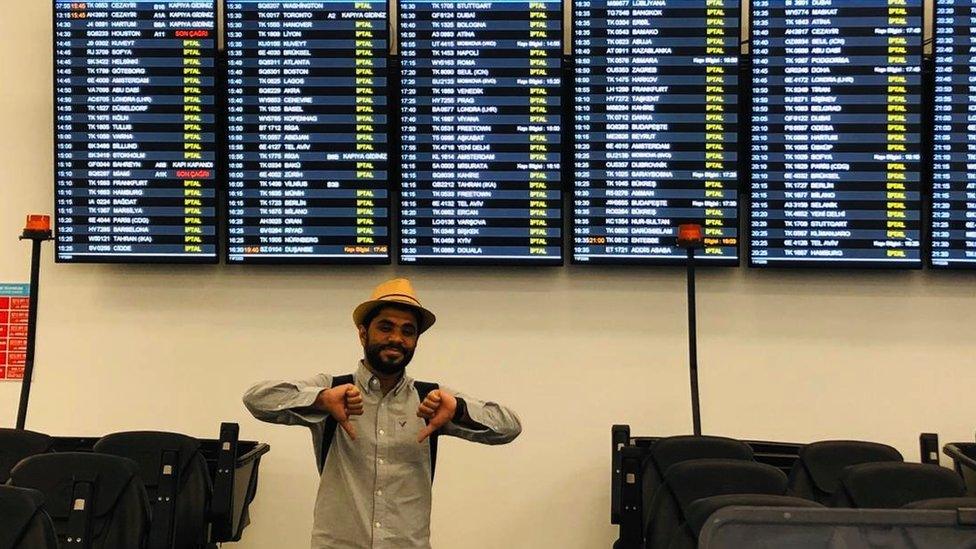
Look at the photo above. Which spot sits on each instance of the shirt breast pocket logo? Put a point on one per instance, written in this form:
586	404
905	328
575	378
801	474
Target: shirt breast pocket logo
406	447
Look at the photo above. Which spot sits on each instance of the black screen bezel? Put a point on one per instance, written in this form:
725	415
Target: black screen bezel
858	264
462	261
929	149
208	259
336	260
701	260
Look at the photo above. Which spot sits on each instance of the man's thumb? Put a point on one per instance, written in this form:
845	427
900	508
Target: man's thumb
348	427
426	432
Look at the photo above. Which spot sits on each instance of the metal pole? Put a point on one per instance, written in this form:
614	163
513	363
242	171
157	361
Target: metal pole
693	344
25	384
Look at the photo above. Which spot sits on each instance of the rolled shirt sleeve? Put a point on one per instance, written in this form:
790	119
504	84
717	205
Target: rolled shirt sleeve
502	424
287	402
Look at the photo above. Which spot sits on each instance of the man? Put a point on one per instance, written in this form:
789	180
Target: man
376	473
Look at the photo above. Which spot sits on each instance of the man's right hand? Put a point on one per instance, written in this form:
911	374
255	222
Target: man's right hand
341	403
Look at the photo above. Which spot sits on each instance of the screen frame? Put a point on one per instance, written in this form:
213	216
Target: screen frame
124	259
467	261
304	259
929	145
700	260
821	264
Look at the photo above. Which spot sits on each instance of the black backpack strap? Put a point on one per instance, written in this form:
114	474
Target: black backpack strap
330	423
423	389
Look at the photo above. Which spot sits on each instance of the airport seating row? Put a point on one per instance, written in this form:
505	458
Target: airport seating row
665	490
130	490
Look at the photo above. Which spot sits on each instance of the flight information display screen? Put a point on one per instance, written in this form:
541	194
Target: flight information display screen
480	86
655	122
308	132
134	131
954	144
835	152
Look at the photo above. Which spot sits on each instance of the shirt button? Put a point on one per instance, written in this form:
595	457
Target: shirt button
377	525
381	461
381	431
379	492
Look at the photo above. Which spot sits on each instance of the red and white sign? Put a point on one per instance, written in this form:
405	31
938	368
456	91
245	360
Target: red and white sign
14	305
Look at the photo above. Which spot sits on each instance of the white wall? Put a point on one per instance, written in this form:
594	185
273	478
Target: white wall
785	355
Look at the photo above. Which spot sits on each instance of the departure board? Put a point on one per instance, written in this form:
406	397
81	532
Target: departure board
480	86
655	122
953	236
134	131
307	132
835	152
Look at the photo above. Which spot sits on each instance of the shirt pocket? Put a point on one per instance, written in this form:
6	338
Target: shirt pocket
406	449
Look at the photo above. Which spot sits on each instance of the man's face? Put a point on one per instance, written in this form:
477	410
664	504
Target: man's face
390	340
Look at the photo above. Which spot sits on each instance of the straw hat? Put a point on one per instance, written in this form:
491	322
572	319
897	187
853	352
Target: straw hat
397	291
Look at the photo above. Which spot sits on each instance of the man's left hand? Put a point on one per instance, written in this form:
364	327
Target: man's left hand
438	408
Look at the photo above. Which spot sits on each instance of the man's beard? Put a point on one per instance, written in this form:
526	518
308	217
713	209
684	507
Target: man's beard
386	367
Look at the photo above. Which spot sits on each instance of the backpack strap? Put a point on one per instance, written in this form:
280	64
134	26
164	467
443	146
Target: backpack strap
330	423
423	389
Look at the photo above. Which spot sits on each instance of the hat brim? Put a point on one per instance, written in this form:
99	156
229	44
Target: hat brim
427	318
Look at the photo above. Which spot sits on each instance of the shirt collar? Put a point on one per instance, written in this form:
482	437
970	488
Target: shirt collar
369	382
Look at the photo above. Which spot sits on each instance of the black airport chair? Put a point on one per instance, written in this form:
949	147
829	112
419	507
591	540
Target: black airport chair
699	511
24	524
689	481
894	485
811	528
944	504
816	474
177	481
671	450
963	456
16	444
96	501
